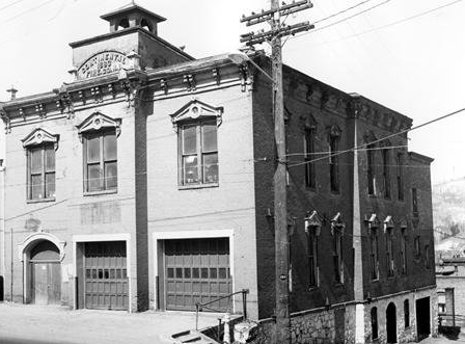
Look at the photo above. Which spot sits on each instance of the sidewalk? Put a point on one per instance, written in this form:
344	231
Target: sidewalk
58	325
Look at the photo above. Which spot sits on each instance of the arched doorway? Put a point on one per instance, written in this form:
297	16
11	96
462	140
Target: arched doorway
391	323
43	273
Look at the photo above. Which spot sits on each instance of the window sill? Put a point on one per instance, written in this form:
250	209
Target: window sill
40	200
198	186
98	193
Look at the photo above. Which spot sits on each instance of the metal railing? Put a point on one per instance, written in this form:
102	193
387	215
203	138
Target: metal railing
201	306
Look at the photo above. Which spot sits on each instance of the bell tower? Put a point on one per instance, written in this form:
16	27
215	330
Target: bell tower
133	15
133	32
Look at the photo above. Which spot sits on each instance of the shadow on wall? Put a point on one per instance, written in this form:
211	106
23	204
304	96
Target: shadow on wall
450	332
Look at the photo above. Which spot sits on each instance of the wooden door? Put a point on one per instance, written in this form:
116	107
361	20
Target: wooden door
46	280
105	275
197	270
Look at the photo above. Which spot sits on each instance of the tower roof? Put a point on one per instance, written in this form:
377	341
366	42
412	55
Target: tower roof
132	8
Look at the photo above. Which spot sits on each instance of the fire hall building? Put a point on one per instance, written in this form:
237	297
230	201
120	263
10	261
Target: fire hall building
147	183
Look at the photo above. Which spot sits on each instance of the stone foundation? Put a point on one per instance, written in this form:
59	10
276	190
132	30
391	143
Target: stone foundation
337	324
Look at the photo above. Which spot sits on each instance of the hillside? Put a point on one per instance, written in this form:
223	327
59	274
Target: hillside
449	216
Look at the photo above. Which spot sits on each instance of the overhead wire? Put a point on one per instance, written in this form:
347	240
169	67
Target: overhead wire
11	4
400	21
385	138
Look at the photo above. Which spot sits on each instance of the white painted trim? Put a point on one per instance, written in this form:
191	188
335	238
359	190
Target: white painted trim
222	233
106	237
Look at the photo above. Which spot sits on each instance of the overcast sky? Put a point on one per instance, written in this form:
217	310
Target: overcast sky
392	53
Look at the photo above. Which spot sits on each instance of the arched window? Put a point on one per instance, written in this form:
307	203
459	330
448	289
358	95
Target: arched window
123	23
145	25
374	323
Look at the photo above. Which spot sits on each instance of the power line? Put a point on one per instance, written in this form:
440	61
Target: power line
341	12
351	16
384	138
342	20
400	21
9	5
27	11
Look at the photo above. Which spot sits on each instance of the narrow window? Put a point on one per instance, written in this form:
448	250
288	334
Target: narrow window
406	314
199	153
374	323
333	162
386	173
403	252
313	257
337	256
309	149
371	170
41	172
389	253
427	257
100	160
414	202
416	244
400	183
374	254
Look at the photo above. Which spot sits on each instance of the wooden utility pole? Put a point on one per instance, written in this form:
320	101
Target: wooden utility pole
282	257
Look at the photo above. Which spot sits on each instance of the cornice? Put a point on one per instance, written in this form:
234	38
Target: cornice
186	78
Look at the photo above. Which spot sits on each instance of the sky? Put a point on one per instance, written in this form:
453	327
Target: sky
406	55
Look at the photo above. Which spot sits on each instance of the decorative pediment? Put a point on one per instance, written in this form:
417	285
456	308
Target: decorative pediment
313	222
337	224
308	122
197	110
98	121
388	223
334	130
40	136
373	221
403	223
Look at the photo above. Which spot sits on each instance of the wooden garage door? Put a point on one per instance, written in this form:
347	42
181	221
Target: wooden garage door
105	273
197	270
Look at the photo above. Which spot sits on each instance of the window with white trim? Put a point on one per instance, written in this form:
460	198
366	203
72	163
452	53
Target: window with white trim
337	231
199	153
312	230
98	134
196	125
40	148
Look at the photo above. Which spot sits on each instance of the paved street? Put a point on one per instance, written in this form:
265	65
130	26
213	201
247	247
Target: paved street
443	340
49	325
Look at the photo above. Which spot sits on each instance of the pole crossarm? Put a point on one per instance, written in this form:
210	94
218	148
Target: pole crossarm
252	38
284	10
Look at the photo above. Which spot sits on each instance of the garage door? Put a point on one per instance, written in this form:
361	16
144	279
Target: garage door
105	273
197	270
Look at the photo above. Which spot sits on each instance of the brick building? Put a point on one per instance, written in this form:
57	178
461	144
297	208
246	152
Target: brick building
147	182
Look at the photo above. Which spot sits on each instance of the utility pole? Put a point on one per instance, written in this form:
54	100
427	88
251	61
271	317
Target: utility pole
273	37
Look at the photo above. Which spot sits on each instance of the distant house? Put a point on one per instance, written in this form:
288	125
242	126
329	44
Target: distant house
147	183
450	278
